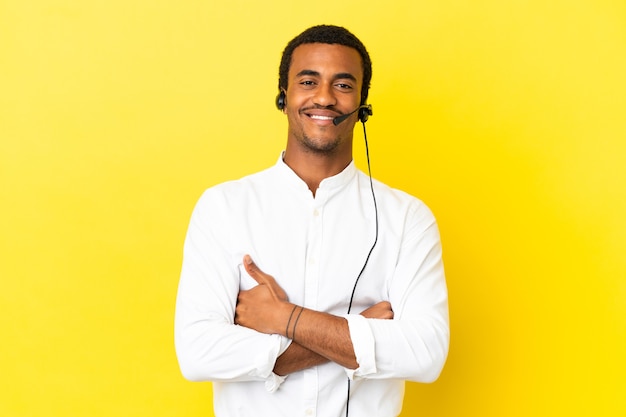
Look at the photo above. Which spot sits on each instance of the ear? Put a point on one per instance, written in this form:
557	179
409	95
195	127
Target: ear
281	101
365	112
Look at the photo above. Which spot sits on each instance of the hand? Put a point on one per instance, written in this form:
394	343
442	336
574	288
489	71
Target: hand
263	307
381	310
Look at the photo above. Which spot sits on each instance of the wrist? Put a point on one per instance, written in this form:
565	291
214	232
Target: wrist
296	318
291	316
286	313
288	326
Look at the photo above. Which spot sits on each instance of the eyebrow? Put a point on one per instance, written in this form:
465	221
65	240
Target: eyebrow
339	76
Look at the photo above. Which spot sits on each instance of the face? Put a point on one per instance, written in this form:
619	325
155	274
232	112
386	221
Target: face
324	82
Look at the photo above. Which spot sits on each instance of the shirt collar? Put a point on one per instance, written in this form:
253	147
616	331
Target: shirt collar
328	185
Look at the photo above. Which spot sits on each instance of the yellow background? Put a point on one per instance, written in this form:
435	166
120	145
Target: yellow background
508	118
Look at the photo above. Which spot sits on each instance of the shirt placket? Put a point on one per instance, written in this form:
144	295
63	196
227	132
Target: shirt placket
311	290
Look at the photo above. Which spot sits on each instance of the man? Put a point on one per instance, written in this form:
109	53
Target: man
308	289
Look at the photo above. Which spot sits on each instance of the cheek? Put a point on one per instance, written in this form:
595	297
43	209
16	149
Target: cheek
294	124
293	115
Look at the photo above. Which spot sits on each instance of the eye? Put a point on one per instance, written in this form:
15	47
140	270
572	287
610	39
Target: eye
343	86
307	83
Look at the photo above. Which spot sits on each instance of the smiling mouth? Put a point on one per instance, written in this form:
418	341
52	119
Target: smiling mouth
318	117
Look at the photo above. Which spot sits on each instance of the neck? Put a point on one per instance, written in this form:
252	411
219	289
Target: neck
313	167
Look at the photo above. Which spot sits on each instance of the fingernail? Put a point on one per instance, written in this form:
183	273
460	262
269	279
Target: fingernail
247	259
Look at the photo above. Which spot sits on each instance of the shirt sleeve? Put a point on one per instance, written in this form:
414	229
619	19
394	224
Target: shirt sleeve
363	343
209	346
414	345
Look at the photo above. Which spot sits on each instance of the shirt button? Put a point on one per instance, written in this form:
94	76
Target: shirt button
316	212
309	412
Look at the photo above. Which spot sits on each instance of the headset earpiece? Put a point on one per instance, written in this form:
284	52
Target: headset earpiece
365	112
280	100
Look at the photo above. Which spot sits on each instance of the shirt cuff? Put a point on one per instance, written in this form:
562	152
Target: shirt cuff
363	344
274	381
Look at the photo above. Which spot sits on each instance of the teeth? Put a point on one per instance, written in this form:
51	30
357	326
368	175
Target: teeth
315	116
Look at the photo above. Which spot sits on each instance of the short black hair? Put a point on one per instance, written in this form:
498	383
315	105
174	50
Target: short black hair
327	34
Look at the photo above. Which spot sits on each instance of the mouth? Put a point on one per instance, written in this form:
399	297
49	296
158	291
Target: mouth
321	117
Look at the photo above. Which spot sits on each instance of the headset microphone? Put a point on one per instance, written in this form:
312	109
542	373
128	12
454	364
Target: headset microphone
364	112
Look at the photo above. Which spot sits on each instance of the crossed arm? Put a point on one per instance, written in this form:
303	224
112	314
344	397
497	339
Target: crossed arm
317	337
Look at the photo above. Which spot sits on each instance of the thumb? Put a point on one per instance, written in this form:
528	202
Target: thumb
254	271
263	279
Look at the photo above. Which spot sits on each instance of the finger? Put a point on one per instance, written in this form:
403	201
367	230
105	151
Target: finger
263	279
381	310
254	271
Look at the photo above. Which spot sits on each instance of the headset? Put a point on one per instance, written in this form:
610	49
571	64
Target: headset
365	110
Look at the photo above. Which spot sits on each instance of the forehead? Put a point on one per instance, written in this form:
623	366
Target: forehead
327	60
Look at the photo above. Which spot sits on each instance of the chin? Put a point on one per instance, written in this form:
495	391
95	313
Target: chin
321	146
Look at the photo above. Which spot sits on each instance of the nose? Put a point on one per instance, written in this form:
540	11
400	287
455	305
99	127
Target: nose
324	95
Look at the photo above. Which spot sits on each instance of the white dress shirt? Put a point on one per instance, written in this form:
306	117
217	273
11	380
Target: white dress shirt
315	248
